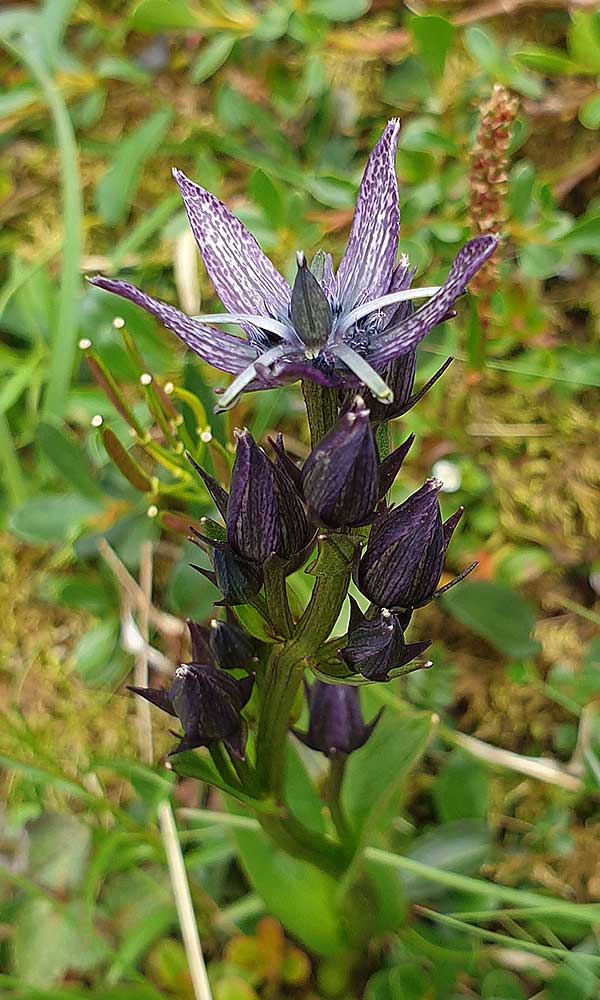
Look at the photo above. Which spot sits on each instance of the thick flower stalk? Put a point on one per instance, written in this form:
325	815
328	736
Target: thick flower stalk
350	335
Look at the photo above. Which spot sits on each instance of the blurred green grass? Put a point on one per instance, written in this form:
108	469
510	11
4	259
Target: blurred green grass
274	108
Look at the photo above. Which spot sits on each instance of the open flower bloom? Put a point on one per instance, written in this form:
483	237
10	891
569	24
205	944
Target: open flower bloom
332	328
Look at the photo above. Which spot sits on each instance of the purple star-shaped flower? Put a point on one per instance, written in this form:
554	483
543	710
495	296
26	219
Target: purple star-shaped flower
332	328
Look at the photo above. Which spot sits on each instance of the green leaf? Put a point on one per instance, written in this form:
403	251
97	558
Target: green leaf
496	613
268	197
433	37
117	187
501	985
211	57
58	851
161	15
193	764
482	47
98	659
300	794
53	520
461	847
376	774
589	112
49	941
67	455
461	789
584	40
547	61
584	237
522	180
299	895
339	10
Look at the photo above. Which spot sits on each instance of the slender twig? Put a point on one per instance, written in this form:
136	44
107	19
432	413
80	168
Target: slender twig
164	622
140	670
541	768
183	902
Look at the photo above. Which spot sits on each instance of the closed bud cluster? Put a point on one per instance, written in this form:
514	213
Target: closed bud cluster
335	722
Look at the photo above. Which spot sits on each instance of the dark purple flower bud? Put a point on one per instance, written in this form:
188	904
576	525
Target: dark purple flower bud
340	476
239	580
231	646
377	646
310	311
265	514
335	722
403	561
200	641
207	702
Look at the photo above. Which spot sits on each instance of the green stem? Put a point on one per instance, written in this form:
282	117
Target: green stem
276	597
321	408
283	677
322	612
223	766
297	840
337	767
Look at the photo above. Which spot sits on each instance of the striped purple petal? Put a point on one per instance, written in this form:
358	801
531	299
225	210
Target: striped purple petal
244	279
221	350
403	337
368	261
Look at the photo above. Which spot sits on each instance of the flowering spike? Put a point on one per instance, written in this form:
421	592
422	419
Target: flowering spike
340	476
335	724
403	561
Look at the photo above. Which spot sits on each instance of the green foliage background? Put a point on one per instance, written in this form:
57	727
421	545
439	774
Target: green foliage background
274	107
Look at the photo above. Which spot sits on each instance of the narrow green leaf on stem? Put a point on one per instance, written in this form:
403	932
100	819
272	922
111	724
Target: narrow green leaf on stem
64	338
